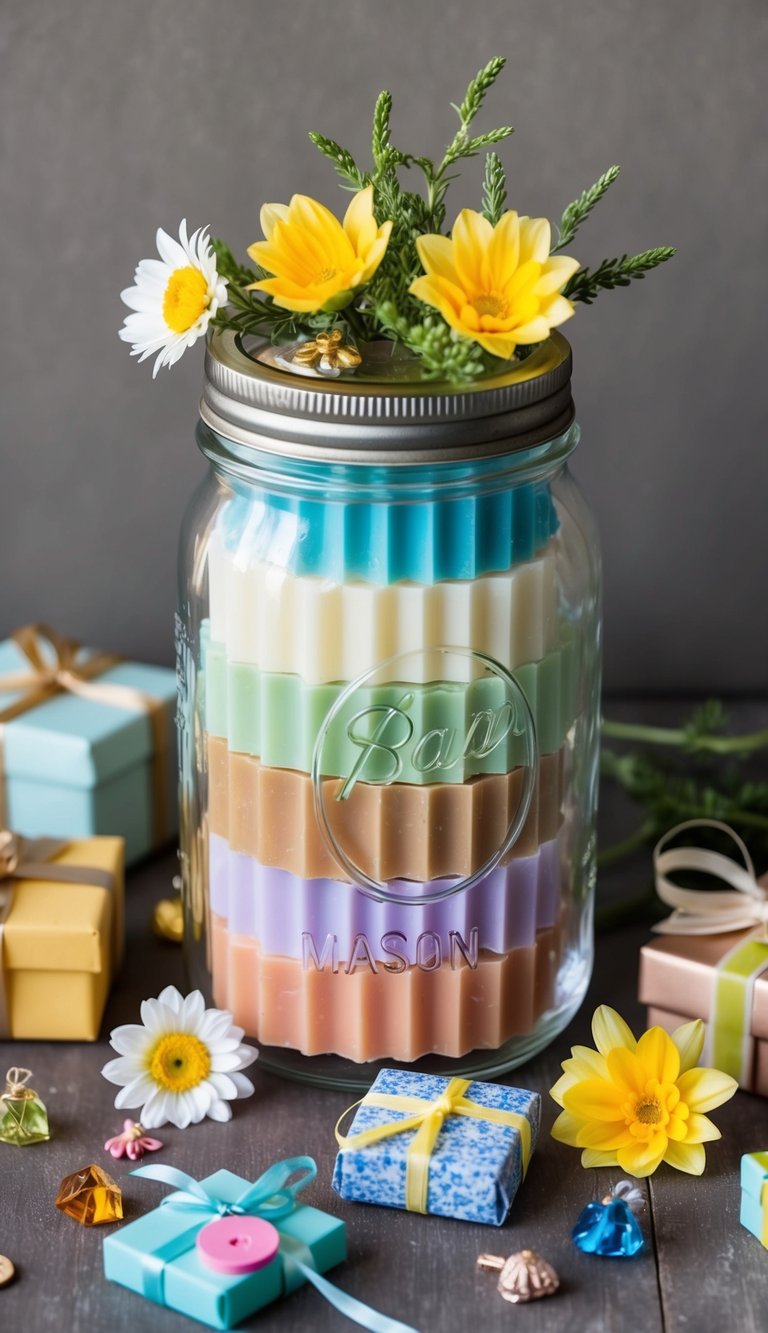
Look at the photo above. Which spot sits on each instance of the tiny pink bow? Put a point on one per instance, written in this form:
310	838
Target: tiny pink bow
132	1143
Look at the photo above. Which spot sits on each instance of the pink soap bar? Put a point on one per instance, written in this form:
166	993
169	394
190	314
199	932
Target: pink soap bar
238	1245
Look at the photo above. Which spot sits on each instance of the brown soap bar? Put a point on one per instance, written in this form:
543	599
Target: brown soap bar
677	973
401	831
366	1015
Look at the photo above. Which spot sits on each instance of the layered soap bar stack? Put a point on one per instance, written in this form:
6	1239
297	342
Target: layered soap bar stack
302	955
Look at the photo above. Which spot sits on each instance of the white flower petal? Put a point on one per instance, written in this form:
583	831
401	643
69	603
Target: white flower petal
155	1016
154	1112
225	1063
224	1086
244	1086
191	1012
172	997
129	1039
120	1070
135	1093
169	250
220	1110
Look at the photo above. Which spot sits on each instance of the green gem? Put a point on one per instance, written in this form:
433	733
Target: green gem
23	1120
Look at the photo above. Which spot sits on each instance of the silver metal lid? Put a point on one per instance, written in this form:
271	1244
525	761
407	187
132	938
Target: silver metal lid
250	399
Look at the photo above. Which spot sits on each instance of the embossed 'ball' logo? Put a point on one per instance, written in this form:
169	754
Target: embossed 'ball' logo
423	771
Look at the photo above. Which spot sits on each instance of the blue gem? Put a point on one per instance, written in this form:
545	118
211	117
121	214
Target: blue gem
609	1229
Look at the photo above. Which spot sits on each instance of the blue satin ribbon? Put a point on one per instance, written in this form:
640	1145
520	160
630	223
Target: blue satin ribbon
270	1197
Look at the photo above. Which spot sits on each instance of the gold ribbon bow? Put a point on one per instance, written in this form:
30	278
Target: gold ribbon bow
427	1119
708	911
60	670
22	858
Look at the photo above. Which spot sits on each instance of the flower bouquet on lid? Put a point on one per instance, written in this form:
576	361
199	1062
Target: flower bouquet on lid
460	300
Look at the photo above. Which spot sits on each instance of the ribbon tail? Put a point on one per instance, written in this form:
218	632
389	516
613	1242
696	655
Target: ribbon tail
348	1305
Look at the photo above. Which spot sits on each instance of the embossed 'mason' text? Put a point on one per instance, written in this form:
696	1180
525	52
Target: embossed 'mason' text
428	953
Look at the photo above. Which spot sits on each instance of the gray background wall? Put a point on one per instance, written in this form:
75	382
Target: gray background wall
118	117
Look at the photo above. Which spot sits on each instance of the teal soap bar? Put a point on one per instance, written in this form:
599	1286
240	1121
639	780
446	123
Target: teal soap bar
157	1257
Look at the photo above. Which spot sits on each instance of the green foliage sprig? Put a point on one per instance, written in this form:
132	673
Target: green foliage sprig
386	308
587	284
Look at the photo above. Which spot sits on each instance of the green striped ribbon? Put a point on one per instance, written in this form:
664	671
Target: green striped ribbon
730	1045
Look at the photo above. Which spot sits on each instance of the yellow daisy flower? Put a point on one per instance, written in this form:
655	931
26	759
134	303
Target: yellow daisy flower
635	1104
318	262
498	286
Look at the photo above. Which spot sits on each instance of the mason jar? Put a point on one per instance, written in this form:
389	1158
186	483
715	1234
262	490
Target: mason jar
388	645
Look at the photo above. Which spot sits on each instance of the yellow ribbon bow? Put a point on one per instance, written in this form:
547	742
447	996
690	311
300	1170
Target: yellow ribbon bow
30	858
427	1119
55	667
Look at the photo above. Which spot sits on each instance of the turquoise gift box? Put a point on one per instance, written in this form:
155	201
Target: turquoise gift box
482	1137
157	1257
754	1195
89	759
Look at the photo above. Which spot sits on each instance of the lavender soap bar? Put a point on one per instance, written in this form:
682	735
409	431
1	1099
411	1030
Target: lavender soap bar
478	1160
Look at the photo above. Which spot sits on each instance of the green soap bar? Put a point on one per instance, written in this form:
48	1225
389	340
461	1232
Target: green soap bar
278	717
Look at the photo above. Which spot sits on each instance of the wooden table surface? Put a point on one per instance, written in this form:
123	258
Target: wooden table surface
700	1270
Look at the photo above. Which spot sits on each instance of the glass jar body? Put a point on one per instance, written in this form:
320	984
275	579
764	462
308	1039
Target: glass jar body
389	680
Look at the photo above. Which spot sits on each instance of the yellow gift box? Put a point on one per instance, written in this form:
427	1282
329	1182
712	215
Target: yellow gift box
61	937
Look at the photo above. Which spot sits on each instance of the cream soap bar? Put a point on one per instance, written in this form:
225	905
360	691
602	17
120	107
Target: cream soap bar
325	631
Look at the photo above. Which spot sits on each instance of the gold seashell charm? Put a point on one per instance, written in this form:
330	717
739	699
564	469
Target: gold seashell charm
168	919
328	354
523	1277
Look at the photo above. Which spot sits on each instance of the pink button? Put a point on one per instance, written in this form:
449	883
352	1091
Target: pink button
238	1244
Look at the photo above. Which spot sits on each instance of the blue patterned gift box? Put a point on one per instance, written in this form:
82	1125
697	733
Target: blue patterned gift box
83	762
476	1163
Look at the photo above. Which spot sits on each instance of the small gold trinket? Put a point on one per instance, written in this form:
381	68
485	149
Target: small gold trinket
524	1276
168	919
91	1197
328	354
7	1271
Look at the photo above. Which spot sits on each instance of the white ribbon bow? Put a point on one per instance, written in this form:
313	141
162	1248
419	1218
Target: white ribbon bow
709	911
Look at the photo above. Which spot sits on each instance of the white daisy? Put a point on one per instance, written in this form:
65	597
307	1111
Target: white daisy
182	1064
175	297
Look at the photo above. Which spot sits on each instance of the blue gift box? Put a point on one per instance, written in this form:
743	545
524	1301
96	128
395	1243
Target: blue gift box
157	1257
78	767
476	1164
754	1195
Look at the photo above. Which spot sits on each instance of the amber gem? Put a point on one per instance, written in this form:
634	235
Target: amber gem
91	1197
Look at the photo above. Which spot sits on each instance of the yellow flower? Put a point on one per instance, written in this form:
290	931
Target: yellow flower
498	286
638	1103
318	262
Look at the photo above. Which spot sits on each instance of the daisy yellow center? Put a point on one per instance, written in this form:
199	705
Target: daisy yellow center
179	1061
491	303
185	298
